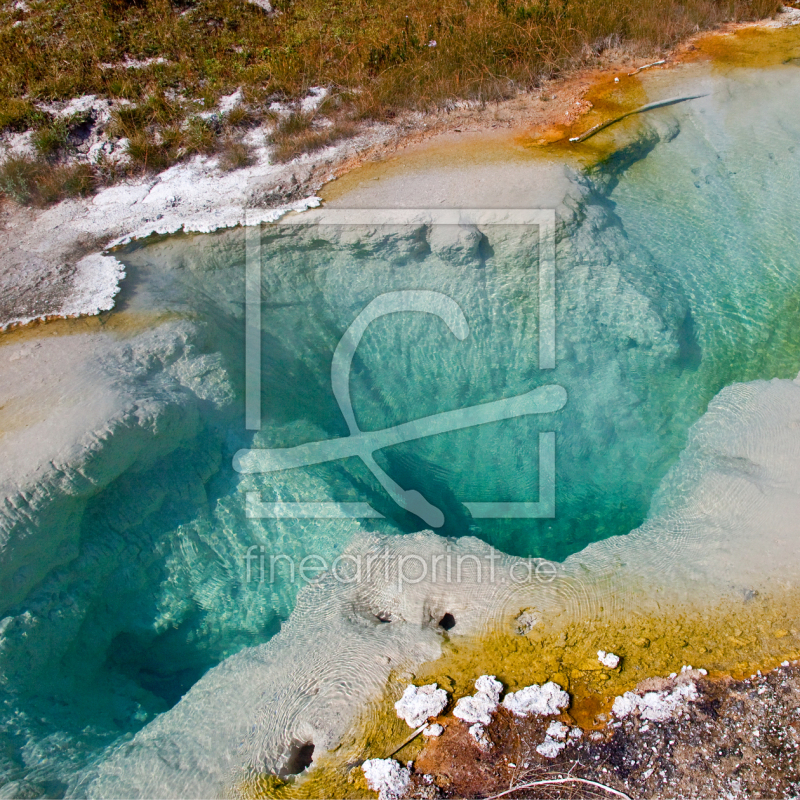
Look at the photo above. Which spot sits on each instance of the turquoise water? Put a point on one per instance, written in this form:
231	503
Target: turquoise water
677	273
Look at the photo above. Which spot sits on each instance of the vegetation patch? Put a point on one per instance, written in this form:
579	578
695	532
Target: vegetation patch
406	55
36	182
297	134
234	155
167	63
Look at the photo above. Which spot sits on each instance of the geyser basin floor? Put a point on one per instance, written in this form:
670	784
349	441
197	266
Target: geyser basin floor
737	637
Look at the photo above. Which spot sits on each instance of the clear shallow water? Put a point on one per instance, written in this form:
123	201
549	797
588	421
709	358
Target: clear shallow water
677	268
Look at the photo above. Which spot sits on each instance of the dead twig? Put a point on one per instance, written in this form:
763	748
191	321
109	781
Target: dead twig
413	736
555	781
658	104
647	66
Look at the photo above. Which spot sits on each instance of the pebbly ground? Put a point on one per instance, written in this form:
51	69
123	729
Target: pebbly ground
737	739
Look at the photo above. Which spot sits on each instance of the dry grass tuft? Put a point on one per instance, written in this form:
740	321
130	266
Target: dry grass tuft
39	183
234	155
380	58
296	134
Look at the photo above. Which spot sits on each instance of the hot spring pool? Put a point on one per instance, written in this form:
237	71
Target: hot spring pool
127	576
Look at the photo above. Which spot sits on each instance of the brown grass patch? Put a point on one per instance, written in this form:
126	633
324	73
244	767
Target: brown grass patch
297	134
485	49
234	155
379	58
39	183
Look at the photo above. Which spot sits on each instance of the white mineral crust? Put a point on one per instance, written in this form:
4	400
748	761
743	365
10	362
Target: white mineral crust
543	700
608	659
387	777
480	706
557	730
550	748
420	703
655	706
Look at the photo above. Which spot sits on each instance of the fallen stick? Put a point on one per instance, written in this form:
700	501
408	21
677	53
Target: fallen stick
413	736
647	66
553	781
658	104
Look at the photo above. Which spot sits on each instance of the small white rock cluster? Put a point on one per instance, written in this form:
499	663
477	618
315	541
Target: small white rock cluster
656	706
419	703
480	706
608	659
689	668
477	709
387	777
543	700
554	740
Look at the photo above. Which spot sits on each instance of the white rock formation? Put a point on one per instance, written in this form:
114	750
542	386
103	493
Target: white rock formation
480	706
544	700
433	730
656	706
550	748
608	659
694	673
557	730
420	703
227	103
94	286
478	733
387	777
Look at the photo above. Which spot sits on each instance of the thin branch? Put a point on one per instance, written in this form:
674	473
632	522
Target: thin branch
647	66
554	781
413	736
658	104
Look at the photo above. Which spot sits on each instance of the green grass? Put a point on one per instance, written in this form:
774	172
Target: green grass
18	114
51	138
373	54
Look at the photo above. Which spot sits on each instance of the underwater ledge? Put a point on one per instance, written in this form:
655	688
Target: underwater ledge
673	582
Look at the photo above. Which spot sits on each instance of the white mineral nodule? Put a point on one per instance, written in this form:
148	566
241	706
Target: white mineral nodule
480	706
543	700
550	748
608	659
655	706
433	730
478	733
557	730
387	777
420	703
